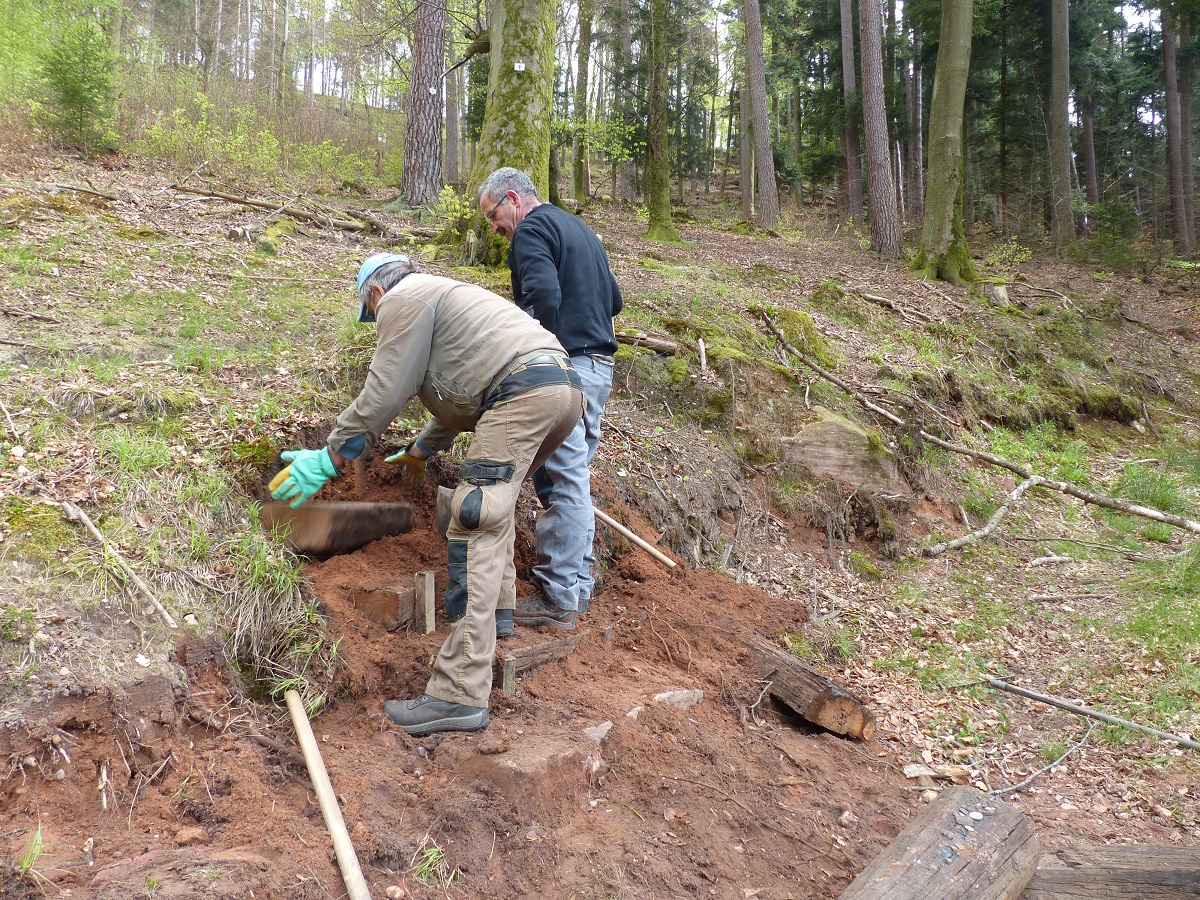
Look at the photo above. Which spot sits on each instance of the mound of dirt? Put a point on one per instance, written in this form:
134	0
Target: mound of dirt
583	784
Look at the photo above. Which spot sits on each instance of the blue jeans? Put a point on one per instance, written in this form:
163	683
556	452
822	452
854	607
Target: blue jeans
566	529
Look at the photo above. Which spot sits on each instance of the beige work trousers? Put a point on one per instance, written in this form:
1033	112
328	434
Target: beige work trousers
521	432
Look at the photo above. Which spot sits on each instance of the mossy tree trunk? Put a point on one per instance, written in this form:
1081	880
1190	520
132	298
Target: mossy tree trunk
944	253
516	118
854	187
658	167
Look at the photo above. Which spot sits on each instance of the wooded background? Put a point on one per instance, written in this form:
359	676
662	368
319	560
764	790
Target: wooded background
1040	119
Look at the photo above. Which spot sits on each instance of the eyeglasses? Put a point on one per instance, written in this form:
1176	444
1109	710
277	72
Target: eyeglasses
490	215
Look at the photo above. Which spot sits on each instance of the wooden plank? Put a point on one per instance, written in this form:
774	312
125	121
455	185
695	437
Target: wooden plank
964	846
387	607
424	597
1136	872
813	696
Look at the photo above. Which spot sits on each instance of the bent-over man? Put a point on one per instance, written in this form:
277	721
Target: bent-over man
478	364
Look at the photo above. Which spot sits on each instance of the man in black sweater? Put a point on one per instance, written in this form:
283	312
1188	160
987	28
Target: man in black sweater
560	276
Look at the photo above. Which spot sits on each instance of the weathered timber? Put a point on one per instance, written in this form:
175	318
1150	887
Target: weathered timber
508	666
388	607
658	344
1116	873
813	696
964	846
424	601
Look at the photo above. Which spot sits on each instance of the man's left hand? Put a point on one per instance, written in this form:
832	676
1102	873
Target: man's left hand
307	474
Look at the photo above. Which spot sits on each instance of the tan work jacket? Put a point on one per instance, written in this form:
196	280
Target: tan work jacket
447	342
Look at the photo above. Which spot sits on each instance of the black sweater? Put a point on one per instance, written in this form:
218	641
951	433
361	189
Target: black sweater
560	276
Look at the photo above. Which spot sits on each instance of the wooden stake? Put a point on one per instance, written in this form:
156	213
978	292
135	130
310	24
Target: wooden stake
356	885
424	602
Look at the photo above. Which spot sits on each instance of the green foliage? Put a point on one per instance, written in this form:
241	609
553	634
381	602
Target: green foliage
1008	256
241	141
77	71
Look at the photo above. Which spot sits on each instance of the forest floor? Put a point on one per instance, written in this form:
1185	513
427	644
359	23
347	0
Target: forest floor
143	343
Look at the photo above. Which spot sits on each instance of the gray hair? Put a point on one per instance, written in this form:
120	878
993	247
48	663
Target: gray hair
506	179
387	277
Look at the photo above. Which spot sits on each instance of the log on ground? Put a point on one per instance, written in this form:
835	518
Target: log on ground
813	696
964	846
1136	872
507	666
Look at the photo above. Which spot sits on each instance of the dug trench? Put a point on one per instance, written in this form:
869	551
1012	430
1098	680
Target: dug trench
583	784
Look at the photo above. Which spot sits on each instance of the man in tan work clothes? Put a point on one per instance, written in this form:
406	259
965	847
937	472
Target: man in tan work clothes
479	364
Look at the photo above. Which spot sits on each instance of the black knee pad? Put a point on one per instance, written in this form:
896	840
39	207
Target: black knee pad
483	497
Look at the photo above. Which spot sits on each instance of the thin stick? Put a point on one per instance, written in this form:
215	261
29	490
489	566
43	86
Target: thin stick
356	885
75	514
1044	769
11	427
939	549
625	532
1091	713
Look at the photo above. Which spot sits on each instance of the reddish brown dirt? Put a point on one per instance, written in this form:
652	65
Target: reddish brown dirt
698	802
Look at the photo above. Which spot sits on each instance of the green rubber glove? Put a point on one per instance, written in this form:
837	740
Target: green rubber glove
414	469
307	474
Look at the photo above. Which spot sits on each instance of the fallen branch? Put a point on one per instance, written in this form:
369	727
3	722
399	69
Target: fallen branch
939	549
75	514
25	314
1091	713
83	190
24	345
1020	785
642	339
367	223
1060	486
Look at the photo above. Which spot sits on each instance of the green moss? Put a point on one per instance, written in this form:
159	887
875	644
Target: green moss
801	332
862	566
678	372
257	454
36	532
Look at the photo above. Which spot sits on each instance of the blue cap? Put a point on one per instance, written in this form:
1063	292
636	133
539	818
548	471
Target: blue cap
368	269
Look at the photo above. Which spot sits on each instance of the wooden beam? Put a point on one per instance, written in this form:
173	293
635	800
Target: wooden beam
1134	872
964	846
387	607
813	696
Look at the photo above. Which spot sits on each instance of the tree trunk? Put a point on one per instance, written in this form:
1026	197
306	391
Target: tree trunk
1090	175
516	119
1179	224
452	162
1062	221
854	186
768	195
421	180
916	163
581	175
658	168
881	192
943	252
1185	131
746	152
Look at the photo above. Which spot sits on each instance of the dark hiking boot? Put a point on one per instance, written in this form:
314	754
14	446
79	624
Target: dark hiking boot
537	610
428	714
504	623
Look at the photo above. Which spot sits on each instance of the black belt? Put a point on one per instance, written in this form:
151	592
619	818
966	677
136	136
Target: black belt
533	373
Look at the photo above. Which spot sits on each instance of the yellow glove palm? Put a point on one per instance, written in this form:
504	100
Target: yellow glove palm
414	468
